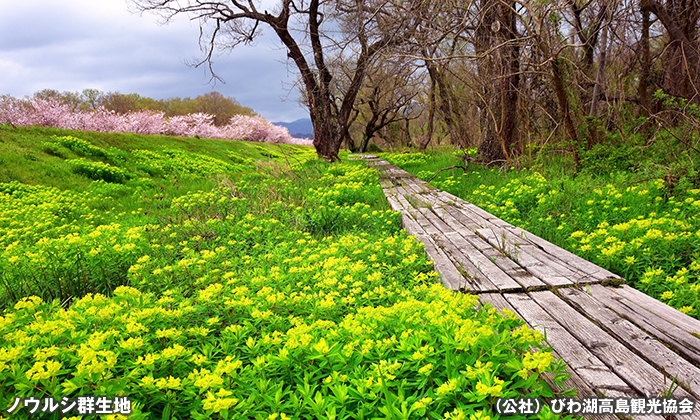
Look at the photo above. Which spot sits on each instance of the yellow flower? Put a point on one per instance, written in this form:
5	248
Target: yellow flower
173	352
447	387
480	415
43	370
28	303
485	390
223	393
168	383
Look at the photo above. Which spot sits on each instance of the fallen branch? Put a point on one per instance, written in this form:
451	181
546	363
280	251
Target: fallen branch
453	167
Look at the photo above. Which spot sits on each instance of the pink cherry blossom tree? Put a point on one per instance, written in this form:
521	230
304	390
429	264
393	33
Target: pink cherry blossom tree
52	113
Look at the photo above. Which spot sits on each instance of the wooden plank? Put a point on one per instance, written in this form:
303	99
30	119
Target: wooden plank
590	368
564	255
532	252
450	276
436	221
557	273
476	281
574	381
491	255
583	269
648	347
394	202
486	274
425	223
658	319
535	267
510	267
464	219
500	279
416	188
675	317
482	213
411	226
400	196
641	376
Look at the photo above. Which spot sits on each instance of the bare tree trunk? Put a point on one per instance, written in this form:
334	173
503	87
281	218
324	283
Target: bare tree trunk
601	70
560	90
646	61
681	58
449	106
431	119
498	30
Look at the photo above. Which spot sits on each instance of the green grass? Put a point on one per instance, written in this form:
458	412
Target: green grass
23	159
246	288
642	224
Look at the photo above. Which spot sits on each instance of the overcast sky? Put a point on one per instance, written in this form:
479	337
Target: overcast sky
71	45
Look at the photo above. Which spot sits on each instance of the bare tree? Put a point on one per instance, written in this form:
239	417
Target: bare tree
388	95
681	61
498	44
358	28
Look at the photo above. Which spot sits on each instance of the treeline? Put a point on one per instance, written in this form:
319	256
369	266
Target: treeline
503	76
510	77
213	103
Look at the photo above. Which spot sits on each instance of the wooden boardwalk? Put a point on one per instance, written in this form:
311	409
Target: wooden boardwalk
617	341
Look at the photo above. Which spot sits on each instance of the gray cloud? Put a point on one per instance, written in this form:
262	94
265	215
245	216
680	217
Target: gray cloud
77	44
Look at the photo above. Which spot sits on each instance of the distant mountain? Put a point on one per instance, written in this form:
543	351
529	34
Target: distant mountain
300	128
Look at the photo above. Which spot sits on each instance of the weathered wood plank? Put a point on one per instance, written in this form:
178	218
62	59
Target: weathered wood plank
411	226
419	190
533	253
641	376
394	202
574	274
675	317
648	347
534	266
445	212
425	223
573	265
508	266
658	320
476	281
574	381
436	220
450	276
590	368
490	218
485	252
400	195
499	278
470	258
565	256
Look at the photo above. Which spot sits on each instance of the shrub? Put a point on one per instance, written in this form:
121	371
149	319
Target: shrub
98	170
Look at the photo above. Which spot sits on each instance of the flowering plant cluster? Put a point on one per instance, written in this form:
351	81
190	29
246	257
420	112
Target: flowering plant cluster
52	113
401	159
235	306
641	232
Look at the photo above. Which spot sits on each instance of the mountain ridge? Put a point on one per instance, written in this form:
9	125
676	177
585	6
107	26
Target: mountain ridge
301	128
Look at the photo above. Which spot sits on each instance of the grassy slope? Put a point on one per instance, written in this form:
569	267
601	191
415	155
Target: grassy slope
22	158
